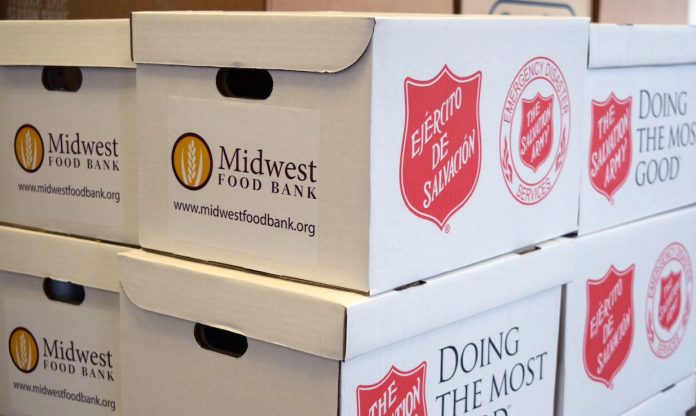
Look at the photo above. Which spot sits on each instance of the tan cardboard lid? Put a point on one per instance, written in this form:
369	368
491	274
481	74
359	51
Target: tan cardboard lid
641	45
86	43
328	322
327	42
85	262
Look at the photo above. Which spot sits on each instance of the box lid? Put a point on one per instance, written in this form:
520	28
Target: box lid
674	400
87	43
328	322
640	45
320	42
85	262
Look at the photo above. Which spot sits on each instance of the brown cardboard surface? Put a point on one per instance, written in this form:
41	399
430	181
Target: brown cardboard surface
402	6
643	11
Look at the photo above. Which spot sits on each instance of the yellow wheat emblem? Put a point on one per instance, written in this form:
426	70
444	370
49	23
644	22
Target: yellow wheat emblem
29	148
23	350
192	161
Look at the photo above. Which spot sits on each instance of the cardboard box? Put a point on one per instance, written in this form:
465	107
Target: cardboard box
640	141
330	177
67	118
305	350
663	12
528	7
629	324
676	400
59	325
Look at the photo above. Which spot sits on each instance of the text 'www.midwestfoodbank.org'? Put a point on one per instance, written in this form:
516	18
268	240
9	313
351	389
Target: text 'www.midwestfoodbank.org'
265	219
65	394
71	191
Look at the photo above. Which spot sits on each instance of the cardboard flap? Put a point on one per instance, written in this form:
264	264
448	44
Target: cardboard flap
85	262
303	317
87	43
328	42
640	45
453	296
332	323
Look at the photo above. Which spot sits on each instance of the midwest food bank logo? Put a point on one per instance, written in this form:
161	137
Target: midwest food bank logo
66	357
24	351
192	161
29	148
441	147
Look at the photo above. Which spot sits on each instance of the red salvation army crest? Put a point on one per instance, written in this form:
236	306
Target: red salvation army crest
441	148
670	300
535	130
668	306
398	393
610	145
536	135
609	324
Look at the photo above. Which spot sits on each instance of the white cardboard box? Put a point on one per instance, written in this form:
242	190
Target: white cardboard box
639	149
348	93
60	358
566	8
309	350
629	317
69	163
674	401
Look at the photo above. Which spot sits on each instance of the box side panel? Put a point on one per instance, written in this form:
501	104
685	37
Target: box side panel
166	372
70	161
639	146
450	183
287	176
499	362
64	359
629	314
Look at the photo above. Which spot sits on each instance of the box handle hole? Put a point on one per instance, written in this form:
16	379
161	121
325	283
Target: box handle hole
220	341
254	84
65	292
61	78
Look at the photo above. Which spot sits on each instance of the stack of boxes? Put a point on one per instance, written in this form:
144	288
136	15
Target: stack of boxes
347	214
67	93
628	310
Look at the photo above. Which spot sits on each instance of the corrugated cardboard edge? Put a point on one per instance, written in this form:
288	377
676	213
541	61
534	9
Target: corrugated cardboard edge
85	262
451	297
328	42
299	316
86	43
614	46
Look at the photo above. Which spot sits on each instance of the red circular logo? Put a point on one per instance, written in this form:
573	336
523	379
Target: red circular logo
669	300
534	130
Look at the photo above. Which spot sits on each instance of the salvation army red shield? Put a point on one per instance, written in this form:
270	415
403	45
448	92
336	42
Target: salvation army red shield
609	324
610	145
536	131
398	393
441	147
670	300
